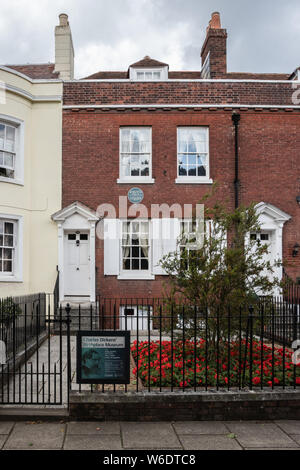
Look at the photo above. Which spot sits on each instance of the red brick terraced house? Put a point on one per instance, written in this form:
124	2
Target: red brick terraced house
165	137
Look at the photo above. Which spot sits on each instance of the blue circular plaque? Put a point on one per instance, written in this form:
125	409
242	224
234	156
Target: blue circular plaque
135	195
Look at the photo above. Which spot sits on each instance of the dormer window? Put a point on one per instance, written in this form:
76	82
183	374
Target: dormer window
147	70
148	75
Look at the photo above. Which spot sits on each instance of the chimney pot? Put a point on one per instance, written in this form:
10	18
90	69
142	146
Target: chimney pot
215	22
63	19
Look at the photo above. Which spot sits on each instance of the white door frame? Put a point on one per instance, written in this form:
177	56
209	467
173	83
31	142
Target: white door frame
76	217
272	219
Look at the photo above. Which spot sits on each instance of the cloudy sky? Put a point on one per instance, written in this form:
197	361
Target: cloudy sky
263	35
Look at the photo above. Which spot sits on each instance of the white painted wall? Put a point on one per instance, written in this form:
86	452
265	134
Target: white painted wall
38	105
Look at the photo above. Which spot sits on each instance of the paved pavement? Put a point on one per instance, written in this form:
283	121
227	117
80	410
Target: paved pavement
194	435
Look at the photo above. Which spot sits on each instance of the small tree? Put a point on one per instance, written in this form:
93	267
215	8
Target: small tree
9	311
225	273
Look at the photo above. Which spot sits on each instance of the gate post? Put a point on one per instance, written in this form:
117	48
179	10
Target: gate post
69	372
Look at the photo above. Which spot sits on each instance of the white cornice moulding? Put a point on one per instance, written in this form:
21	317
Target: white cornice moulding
181	105
180	80
29	96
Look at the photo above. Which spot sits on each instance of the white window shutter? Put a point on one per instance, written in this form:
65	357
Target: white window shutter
112	231
212	228
165	233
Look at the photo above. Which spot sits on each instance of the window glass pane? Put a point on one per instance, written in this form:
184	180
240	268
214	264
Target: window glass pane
7	254
7	266
201	171
156	75
125	134
9	160
140	75
10	139
9	228
183	159
2	134
192	171
183	170
183	147
8	240
192	159
148	75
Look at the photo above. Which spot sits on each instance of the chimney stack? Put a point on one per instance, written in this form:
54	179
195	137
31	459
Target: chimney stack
64	51
214	50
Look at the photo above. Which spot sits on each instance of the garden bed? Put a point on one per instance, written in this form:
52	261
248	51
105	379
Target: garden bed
237	364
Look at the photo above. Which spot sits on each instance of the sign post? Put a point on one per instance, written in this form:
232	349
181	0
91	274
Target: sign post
103	357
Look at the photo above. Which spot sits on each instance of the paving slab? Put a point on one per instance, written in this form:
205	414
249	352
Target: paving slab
296	438
209	443
291	427
36	436
260	435
2	440
200	427
87	428
92	442
149	436
6	427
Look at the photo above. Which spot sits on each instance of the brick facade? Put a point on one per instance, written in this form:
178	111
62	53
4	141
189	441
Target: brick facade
269	143
269	159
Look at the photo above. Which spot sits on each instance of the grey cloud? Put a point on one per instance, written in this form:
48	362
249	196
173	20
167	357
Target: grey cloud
263	36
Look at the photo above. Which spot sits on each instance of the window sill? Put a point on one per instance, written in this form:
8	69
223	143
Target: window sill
10	279
136	181
136	277
11	181
191	180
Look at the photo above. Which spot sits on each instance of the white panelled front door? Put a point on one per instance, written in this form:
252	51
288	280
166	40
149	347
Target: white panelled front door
77	264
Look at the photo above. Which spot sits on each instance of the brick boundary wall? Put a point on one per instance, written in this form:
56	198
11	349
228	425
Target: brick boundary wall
189	406
251	93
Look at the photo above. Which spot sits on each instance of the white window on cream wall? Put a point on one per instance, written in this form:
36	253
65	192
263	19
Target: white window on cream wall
135	155
193	155
11	150
11	243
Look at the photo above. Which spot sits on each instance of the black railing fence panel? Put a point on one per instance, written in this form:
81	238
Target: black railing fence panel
178	346
175	346
30	353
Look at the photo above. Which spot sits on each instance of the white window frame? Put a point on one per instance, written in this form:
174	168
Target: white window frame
136	274
135	71
19	150
135	179
17	274
193	179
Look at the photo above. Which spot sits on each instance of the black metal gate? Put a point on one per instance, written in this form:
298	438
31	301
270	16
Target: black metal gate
35	351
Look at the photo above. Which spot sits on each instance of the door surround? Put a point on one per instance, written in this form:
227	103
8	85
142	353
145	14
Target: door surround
76	217
272	219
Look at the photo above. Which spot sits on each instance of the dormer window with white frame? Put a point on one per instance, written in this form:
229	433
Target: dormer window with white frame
11	150
148	75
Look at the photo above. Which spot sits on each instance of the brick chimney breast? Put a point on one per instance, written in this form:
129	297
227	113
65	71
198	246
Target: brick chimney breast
214	49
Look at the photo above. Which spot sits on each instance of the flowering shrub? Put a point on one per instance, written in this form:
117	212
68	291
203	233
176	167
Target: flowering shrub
154	363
